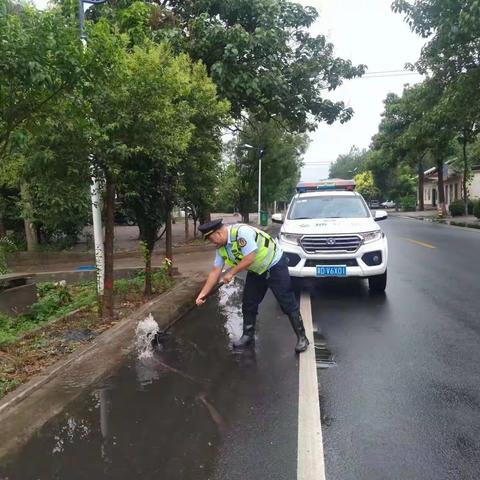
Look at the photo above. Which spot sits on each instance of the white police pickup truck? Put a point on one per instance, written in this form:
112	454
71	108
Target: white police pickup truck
329	231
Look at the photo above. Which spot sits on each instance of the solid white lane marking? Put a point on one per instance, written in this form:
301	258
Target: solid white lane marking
310	462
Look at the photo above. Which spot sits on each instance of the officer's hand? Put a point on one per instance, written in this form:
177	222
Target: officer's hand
227	278
200	300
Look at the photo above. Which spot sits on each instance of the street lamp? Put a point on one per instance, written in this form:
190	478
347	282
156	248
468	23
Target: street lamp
260	156
95	187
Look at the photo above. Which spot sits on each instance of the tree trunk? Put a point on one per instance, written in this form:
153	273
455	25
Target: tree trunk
187	233
30	229
421	201
245	217
194	228
148	273
107	307
205	217
168	237
441	189
465	174
3	231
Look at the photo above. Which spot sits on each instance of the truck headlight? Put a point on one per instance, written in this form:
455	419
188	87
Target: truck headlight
291	238
369	237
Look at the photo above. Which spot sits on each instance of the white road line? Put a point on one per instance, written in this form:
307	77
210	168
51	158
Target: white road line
310	462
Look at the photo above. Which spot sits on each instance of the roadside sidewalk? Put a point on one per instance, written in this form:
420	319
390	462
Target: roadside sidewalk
188	258
432	216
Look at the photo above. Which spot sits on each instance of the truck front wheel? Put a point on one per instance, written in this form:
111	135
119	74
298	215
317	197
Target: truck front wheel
378	283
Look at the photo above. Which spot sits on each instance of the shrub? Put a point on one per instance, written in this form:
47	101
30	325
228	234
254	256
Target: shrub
476	208
7	245
471	205
408	203
457	208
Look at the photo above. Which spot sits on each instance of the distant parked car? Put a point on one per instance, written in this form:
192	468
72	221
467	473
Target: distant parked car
122	218
374	204
388	204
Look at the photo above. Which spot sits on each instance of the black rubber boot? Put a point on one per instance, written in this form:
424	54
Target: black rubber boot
297	325
249	321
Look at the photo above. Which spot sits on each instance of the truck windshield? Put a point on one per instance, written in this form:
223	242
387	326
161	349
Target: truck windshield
328	207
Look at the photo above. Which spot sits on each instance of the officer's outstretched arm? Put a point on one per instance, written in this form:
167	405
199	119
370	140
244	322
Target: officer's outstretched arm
246	261
212	280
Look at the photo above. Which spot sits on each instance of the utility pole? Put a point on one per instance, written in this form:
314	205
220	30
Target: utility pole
261	151
260	156
94	187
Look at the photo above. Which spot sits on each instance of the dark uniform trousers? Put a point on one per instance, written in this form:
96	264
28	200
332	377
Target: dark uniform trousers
278	279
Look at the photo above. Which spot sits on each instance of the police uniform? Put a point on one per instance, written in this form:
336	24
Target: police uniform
268	270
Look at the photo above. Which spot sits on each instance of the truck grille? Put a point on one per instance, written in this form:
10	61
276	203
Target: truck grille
326	244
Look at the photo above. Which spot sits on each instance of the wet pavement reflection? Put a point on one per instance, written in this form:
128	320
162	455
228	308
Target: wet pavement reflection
194	410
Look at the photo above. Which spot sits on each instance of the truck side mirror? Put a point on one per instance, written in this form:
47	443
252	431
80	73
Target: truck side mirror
380	215
277	218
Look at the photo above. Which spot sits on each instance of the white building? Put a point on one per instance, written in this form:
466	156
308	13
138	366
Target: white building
452	183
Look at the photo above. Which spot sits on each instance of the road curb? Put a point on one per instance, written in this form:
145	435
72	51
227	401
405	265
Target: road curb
27	408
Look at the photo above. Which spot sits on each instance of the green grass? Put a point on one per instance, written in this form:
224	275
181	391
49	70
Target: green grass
7	385
128	287
56	301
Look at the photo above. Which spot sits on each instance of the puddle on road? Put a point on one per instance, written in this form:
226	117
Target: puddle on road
323	356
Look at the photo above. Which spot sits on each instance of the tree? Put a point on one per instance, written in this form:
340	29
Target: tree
412	126
348	165
168	104
41	61
397	143
452	57
259	53
281	161
461	108
227	198
451	28
365	185
200	164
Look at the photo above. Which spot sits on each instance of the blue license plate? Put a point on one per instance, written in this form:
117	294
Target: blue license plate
331	270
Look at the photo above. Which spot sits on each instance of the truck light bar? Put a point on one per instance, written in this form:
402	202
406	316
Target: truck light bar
333	184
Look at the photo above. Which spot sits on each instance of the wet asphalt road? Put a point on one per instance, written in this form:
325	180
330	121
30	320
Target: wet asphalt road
401	402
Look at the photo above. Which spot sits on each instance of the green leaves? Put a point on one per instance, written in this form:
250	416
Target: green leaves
259	53
365	185
281	162
452	28
41	59
348	165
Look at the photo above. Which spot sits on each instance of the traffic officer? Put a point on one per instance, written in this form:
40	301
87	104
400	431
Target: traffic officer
243	247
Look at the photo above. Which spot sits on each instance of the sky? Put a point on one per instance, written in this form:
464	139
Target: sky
365	32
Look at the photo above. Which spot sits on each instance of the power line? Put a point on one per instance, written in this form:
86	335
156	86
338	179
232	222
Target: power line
313	164
388	76
388	71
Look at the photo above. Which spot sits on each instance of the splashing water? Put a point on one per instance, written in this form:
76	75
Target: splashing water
230	306
145	333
